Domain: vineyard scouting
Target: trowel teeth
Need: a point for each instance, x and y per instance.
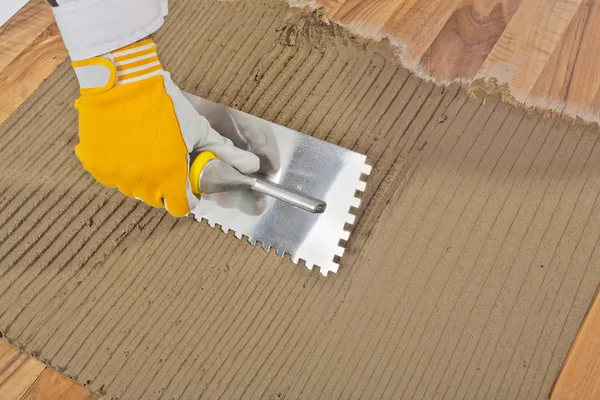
(355, 202)
(238, 235)
(361, 186)
(345, 235)
(350, 219)
(367, 169)
(340, 251)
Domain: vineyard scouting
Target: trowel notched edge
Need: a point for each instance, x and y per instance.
(295, 256)
(305, 164)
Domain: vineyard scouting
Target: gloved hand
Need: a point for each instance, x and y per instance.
(136, 129)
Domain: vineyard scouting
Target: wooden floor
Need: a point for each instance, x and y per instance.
(545, 50)
(580, 377)
(25, 378)
(30, 50)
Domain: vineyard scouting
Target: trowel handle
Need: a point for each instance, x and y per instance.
(210, 175)
(196, 169)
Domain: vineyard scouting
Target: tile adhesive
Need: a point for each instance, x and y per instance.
(469, 271)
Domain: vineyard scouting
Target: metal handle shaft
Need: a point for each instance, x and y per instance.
(297, 200)
(216, 176)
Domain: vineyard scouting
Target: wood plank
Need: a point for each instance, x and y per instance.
(18, 372)
(413, 26)
(25, 378)
(579, 377)
(6, 350)
(53, 386)
(553, 85)
(467, 39)
(26, 72)
(526, 45)
(331, 6)
(22, 29)
(367, 17)
(571, 74)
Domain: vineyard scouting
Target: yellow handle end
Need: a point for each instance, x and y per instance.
(197, 167)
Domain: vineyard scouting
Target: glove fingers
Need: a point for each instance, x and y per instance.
(177, 205)
(180, 201)
(242, 160)
(199, 135)
(150, 197)
(191, 198)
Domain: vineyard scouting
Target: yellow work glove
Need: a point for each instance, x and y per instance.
(136, 129)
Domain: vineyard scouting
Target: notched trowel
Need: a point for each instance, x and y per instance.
(297, 203)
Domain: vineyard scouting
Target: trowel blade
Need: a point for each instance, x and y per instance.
(295, 161)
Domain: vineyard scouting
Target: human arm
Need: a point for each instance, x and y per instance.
(136, 128)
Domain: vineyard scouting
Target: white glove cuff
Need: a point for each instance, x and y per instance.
(93, 27)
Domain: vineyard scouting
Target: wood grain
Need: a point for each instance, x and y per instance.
(368, 17)
(524, 48)
(22, 29)
(54, 386)
(544, 51)
(467, 39)
(29, 69)
(331, 6)
(25, 378)
(414, 25)
(571, 74)
(579, 377)
(18, 372)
